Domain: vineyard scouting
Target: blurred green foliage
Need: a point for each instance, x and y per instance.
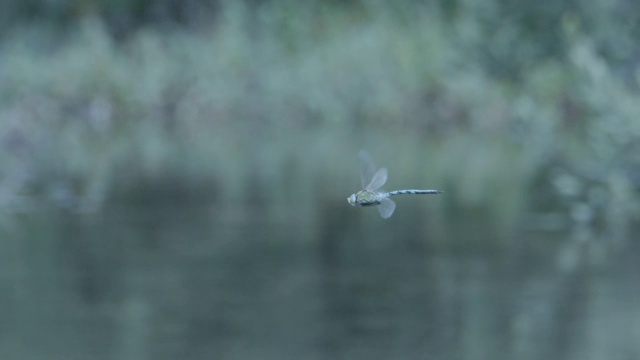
(512, 107)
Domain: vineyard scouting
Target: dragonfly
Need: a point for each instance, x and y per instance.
(371, 195)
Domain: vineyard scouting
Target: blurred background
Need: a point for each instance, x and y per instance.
(174, 176)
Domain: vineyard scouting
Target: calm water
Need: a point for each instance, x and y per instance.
(167, 283)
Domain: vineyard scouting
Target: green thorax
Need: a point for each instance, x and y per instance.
(365, 198)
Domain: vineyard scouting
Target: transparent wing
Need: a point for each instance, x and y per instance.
(379, 178)
(386, 208)
(367, 168)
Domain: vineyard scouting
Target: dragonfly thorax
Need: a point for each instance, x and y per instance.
(366, 198)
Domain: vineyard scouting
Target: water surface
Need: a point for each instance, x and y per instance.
(167, 282)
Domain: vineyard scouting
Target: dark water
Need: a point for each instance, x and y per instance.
(167, 283)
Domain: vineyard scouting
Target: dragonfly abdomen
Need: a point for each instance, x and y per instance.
(402, 192)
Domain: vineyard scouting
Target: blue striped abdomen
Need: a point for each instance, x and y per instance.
(423, 192)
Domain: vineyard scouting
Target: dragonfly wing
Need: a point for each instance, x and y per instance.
(379, 178)
(367, 168)
(386, 208)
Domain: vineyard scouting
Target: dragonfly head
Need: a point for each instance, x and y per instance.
(352, 200)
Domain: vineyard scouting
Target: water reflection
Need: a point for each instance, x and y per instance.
(167, 283)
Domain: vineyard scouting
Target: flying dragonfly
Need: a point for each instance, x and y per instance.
(371, 181)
